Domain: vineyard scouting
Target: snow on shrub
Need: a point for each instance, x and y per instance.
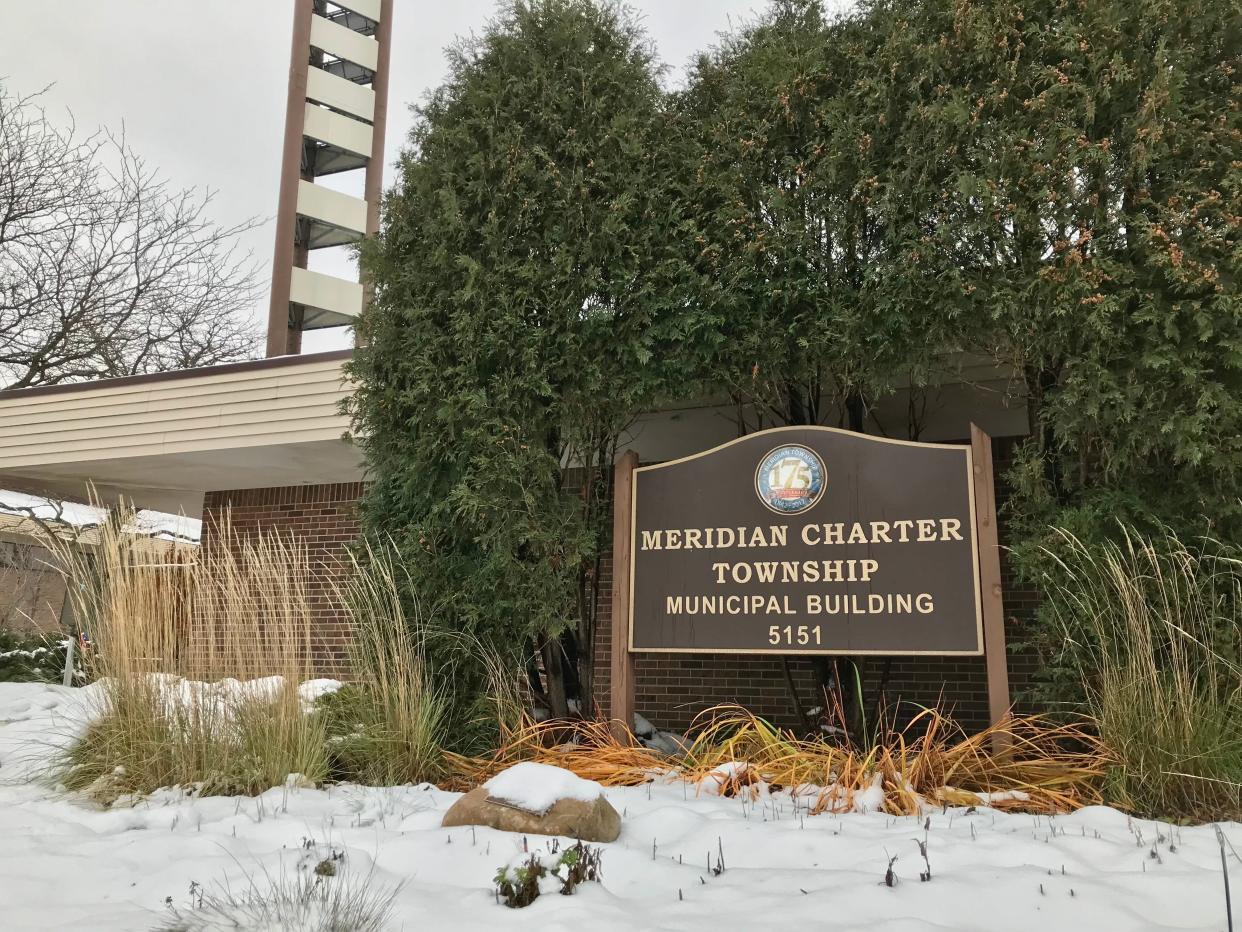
(319, 895)
(520, 882)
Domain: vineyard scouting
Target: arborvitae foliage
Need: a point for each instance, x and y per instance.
(514, 329)
(1089, 158)
(827, 209)
(1090, 155)
(787, 130)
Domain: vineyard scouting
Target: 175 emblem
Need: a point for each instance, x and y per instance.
(790, 479)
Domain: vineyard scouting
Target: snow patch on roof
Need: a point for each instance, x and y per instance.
(156, 524)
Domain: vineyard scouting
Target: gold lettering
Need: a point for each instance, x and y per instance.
(949, 528)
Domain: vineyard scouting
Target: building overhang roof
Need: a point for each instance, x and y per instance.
(163, 440)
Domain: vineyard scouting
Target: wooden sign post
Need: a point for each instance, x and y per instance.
(622, 692)
(994, 649)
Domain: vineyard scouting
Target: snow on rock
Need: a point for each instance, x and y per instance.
(64, 865)
(871, 798)
(537, 787)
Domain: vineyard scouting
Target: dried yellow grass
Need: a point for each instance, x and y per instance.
(1057, 767)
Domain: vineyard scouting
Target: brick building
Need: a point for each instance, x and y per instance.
(265, 442)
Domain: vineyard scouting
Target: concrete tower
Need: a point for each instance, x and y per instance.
(338, 95)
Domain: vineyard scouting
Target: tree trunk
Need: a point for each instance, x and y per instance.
(554, 676)
(848, 670)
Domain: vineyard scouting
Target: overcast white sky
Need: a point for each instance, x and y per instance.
(199, 85)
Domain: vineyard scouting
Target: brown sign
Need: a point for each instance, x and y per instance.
(807, 540)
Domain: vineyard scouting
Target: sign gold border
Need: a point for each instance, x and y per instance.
(974, 546)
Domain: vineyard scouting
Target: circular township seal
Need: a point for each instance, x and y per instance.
(790, 479)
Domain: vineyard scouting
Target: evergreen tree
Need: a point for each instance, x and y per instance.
(515, 324)
(1088, 160)
(787, 134)
(1089, 156)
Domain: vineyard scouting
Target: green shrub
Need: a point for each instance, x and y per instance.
(520, 885)
(381, 738)
(27, 658)
(223, 745)
(395, 723)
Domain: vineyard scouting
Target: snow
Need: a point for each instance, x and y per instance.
(32, 653)
(156, 524)
(729, 774)
(536, 787)
(67, 864)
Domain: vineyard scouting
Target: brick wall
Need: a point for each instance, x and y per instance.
(32, 596)
(324, 517)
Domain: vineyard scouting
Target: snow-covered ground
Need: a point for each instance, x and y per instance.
(65, 864)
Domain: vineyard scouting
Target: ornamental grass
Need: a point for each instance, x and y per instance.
(1152, 627)
(197, 661)
(1046, 767)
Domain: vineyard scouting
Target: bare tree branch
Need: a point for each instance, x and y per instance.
(104, 269)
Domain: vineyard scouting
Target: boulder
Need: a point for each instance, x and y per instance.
(596, 820)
